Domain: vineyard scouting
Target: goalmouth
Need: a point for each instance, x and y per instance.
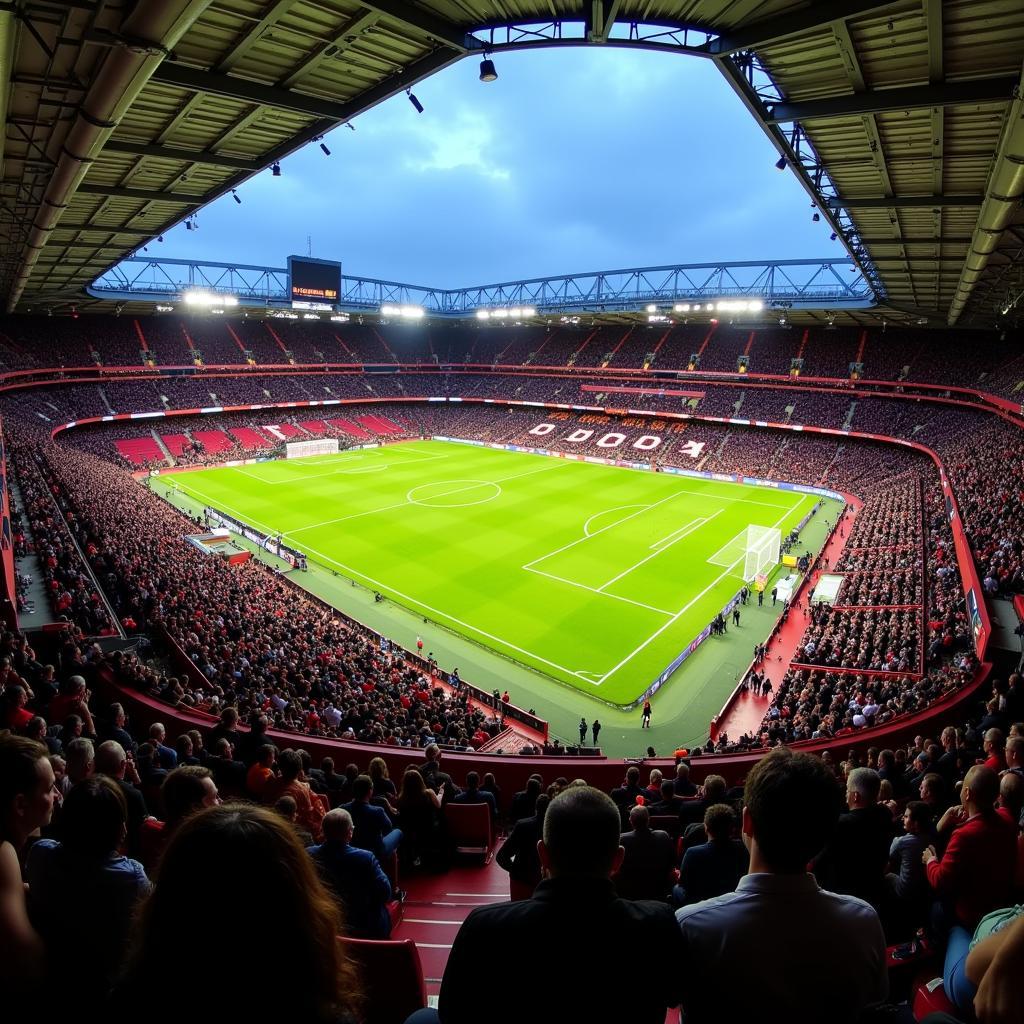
(303, 449)
(757, 547)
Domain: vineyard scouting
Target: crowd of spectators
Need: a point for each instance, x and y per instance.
(877, 640)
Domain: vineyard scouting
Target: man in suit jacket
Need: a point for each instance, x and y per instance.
(646, 871)
(714, 867)
(373, 828)
(473, 794)
(518, 854)
(574, 920)
(355, 877)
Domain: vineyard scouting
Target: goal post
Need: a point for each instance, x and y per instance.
(761, 552)
(303, 449)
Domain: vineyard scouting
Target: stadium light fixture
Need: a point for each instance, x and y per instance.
(275, 169)
(409, 312)
(682, 307)
(482, 314)
(832, 237)
(340, 318)
(237, 198)
(816, 216)
(652, 308)
(780, 164)
(487, 70)
(197, 297)
(323, 146)
(415, 102)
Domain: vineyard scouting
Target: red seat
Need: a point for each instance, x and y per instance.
(469, 826)
(391, 977)
(930, 997)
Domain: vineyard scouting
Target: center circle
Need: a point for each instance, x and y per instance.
(453, 493)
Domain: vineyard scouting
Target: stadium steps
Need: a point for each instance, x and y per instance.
(140, 450)
(106, 402)
(175, 443)
(249, 438)
(380, 424)
(168, 458)
(38, 611)
(848, 422)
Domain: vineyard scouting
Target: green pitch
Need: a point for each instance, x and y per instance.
(594, 575)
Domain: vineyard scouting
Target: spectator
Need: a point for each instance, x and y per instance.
(574, 920)
(382, 784)
(355, 877)
(646, 869)
(419, 810)
(433, 776)
(524, 802)
(83, 892)
(186, 790)
(221, 857)
(228, 774)
(113, 762)
(166, 756)
(753, 942)
(310, 806)
(373, 828)
(288, 809)
(473, 794)
(683, 786)
(715, 867)
(27, 794)
(261, 772)
(518, 854)
(907, 885)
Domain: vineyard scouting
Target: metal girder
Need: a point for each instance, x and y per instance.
(104, 229)
(426, 23)
(253, 35)
(248, 91)
(771, 30)
(600, 17)
(902, 202)
(341, 42)
(117, 192)
(187, 156)
(939, 94)
(938, 240)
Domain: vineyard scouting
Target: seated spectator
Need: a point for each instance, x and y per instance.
(27, 794)
(646, 869)
(355, 877)
(993, 747)
(166, 756)
(113, 762)
(419, 811)
(473, 794)
(575, 920)
(311, 807)
(72, 699)
(373, 828)
(382, 784)
(221, 857)
(518, 854)
(667, 804)
(261, 772)
(753, 944)
(683, 786)
(228, 773)
(186, 790)
(855, 857)
(490, 785)
(14, 714)
(432, 774)
(288, 809)
(712, 792)
(113, 728)
(1015, 755)
(975, 874)
(714, 867)
(524, 802)
(907, 883)
(83, 892)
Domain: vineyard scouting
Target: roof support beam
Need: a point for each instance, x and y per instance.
(771, 30)
(939, 94)
(363, 22)
(139, 193)
(174, 153)
(903, 202)
(425, 23)
(103, 229)
(253, 36)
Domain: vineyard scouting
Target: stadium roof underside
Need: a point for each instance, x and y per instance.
(903, 121)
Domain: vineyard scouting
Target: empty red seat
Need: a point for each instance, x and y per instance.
(469, 827)
(391, 976)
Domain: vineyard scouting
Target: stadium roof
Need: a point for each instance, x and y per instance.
(904, 121)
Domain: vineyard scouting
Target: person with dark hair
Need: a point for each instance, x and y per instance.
(185, 790)
(473, 794)
(574, 920)
(419, 811)
(261, 771)
(310, 806)
(780, 941)
(228, 773)
(373, 828)
(907, 886)
(27, 795)
(646, 869)
(716, 866)
(113, 762)
(248, 859)
(355, 877)
(518, 854)
(82, 892)
(524, 802)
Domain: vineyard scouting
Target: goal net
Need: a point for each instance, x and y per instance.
(761, 552)
(303, 449)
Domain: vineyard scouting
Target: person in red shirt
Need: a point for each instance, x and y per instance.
(994, 745)
(975, 875)
(15, 716)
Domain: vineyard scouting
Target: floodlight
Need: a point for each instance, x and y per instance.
(482, 314)
(388, 311)
(652, 308)
(415, 102)
(487, 72)
(275, 169)
(236, 197)
(780, 164)
(413, 312)
(514, 314)
(756, 305)
(323, 146)
(682, 307)
(816, 217)
(529, 311)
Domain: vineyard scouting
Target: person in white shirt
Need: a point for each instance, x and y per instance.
(779, 947)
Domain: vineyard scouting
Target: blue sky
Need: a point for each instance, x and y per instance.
(575, 160)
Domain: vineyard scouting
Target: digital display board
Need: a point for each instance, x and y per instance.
(314, 284)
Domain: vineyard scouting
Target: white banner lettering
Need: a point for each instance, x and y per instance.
(647, 443)
(691, 448)
(579, 435)
(612, 440)
(543, 428)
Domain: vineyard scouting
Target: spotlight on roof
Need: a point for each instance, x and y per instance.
(832, 237)
(780, 164)
(816, 217)
(487, 71)
(323, 146)
(237, 198)
(275, 169)
(159, 238)
(415, 102)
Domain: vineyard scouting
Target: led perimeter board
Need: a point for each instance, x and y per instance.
(314, 284)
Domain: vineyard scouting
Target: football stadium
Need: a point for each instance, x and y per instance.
(445, 633)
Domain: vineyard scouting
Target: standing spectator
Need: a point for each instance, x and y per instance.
(595, 730)
(753, 943)
(645, 715)
(583, 731)
(113, 762)
(355, 877)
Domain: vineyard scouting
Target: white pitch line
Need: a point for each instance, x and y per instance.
(616, 508)
(670, 538)
(407, 502)
(594, 590)
(679, 535)
(691, 603)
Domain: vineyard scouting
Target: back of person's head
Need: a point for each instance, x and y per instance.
(378, 769)
(432, 752)
(290, 764)
(682, 770)
(157, 732)
(1011, 794)
(981, 787)
(81, 757)
(184, 791)
(265, 755)
(337, 825)
(93, 819)
(21, 777)
(362, 787)
(541, 807)
(793, 803)
(327, 766)
(719, 821)
(632, 775)
(1014, 750)
(581, 833)
(668, 790)
(715, 789)
(472, 780)
(229, 718)
(286, 807)
(533, 785)
(248, 860)
(640, 818)
(110, 758)
(865, 782)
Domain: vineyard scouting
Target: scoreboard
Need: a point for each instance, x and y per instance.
(314, 284)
